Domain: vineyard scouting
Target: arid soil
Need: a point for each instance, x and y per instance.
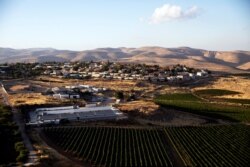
(233, 83)
(31, 98)
(145, 107)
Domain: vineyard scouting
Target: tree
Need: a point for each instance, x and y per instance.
(119, 95)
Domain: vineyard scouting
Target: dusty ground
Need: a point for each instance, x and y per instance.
(15, 88)
(29, 91)
(150, 113)
(31, 98)
(234, 83)
(117, 85)
(49, 82)
(171, 117)
(145, 107)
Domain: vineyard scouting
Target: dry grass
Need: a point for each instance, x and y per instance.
(146, 107)
(19, 87)
(117, 85)
(238, 84)
(31, 98)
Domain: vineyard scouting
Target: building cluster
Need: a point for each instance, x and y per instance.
(106, 70)
(86, 92)
(123, 71)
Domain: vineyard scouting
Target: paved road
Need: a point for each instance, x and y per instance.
(17, 118)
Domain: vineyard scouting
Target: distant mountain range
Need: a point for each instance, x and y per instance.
(228, 61)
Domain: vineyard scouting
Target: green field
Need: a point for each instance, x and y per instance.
(191, 146)
(231, 100)
(190, 103)
(215, 92)
(112, 146)
(179, 97)
(212, 146)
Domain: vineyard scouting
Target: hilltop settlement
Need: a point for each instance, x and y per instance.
(105, 70)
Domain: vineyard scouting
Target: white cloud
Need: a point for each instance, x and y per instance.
(169, 12)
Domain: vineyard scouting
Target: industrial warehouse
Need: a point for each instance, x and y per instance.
(55, 115)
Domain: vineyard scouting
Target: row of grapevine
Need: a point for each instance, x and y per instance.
(190, 103)
(112, 146)
(227, 145)
(212, 146)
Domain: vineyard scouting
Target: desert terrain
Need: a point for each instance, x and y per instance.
(223, 61)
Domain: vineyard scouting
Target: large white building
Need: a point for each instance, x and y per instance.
(54, 115)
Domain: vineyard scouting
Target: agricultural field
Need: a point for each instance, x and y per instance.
(191, 103)
(215, 146)
(180, 97)
(215, 95)
(215, 92)
(239, 84)
(108, 146)
(112, 146)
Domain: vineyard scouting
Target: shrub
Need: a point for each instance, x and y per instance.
(23, 152)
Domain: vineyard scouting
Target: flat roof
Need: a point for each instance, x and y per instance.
(54, 108)
(78, 110)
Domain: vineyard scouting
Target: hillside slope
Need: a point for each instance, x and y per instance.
(234, 61)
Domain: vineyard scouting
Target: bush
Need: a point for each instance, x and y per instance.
(22, 156)
(119, 95)
(19, 146)
(23, 152)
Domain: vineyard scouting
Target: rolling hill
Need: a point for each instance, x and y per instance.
(227, 61)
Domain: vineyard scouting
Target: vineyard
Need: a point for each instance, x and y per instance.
(212, 146)
(112, 146)
(213, 94)
(190, 103)
(227, 145)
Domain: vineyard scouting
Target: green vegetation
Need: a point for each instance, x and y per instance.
(227, 145)
(190, 103)
(212, 93)
(229, 100)
(215, 145)
(23, 70)
(119, 95)
(215, 92)
(22, 150)
(10, 145)
(179, 97)
(112, 146)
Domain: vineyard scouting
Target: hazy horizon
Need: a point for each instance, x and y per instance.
(84, 25)
(122, 47)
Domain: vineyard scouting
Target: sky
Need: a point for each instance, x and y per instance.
(89, 24)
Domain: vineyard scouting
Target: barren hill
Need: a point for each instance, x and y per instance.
(234, 61)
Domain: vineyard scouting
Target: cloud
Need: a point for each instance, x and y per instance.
(169, 12)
